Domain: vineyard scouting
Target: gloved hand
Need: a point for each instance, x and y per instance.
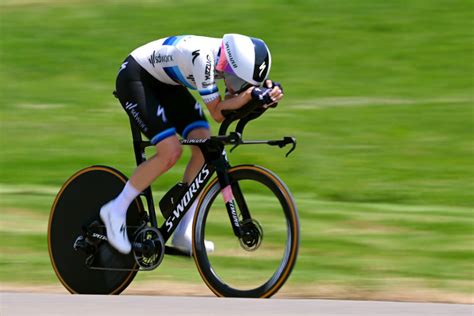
(272, 84)
(262, 95)
(276, 94)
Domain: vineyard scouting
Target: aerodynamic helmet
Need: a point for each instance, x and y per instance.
(243, 60)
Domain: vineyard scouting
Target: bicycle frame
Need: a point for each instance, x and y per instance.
(74, 219)
(215, 161)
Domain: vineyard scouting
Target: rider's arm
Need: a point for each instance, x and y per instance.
(203, 71)
(265, 96)
(229, 103)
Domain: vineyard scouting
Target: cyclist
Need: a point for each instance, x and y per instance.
(152, 86)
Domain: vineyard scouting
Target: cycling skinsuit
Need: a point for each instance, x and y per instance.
(152, 84)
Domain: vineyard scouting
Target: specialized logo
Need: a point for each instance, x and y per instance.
(187, 198)
(262, 68)
(156, 59)
(99, 236)
(235, 218)
(123, 230)
(129, 106)
(195, 54)
(229, 54)
(195, 141)
(161, 112)
(123, 66)
(198, 108)
(207, 72)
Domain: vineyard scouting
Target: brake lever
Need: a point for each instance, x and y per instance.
(280, 143)
(234, 147)
(285, 141)
(293, 147)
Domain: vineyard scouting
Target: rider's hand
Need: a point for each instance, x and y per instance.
(272, 84)
(277, 92)
(262, 95)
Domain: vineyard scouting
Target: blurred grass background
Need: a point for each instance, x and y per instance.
(378, 93)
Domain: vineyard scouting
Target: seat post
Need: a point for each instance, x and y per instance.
(138, 144)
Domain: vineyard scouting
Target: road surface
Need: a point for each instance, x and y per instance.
(64, 304)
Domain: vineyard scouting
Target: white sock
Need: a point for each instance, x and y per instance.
(184, 230)
(124, 199)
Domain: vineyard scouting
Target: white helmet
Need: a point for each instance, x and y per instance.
(245, 58)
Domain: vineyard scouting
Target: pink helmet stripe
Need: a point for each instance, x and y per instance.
(223, 64)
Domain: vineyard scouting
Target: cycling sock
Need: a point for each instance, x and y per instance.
(184, 230)
(183, 235)
(125, 198)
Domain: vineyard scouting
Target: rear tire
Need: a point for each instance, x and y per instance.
(258, 264)
(76, 206)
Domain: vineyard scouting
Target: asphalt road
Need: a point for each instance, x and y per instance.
(57, 304)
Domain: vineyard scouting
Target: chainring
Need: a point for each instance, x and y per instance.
(149, 248)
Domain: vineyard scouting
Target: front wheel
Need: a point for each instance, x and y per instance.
(257, 263)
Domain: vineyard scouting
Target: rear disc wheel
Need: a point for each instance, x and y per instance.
(75, 210)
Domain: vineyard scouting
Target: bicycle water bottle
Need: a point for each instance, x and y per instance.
(172, 197)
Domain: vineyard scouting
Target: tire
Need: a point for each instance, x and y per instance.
(76, 206)
(234, 269)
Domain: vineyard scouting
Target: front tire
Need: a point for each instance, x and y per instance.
(258, 264)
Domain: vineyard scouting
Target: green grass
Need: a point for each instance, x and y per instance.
(378, 93)
(363, 246)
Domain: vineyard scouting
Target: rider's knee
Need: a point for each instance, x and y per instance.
(199, 133)
(173, 156)
(168, 153)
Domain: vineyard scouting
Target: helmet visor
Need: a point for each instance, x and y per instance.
(232, 82)
(235, 84)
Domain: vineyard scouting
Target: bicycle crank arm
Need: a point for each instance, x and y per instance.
(77, 244)
(115, 269)
(83, 245)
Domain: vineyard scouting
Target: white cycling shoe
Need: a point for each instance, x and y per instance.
(116, 228)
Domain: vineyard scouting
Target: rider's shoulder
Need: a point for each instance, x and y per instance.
(198, 41)
(187, 41)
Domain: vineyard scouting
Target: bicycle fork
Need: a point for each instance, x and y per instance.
(246, 229)
(231, 194)
(230, 206)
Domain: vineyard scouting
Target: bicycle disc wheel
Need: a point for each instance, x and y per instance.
(256, 266)
(76, 206)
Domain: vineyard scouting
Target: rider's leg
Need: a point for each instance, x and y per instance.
(182, 238)
(153, 106)
(168, 151)
(197, 160)
(113, 214)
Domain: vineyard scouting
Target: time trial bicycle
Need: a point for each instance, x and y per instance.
(246, 210)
